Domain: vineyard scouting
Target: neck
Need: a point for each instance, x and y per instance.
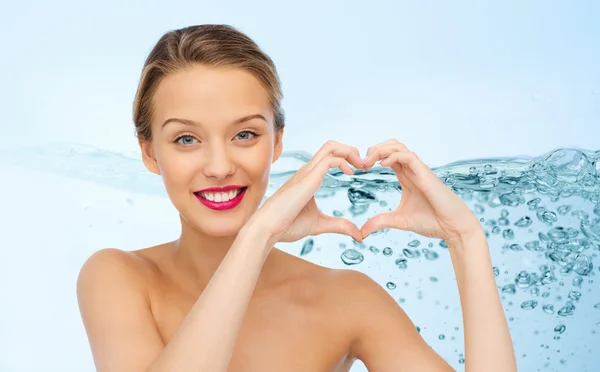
(198, 255)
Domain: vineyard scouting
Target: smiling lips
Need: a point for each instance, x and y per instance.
(221, 198)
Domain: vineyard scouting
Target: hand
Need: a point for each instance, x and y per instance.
(291, 213)
(427, 207)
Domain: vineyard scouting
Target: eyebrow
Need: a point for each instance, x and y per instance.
(195, 123)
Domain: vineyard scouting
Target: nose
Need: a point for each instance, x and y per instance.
(217, 163)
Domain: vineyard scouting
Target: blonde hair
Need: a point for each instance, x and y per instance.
(209, 45)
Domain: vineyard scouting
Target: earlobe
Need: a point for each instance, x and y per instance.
(148, 156)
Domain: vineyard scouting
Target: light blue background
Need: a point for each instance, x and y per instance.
(452, 80)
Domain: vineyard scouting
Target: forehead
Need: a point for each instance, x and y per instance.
(209, 94)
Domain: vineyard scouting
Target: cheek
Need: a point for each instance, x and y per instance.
(176, 170)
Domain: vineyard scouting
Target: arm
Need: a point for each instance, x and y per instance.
(488, 345)
(387, 340)
(122, 332)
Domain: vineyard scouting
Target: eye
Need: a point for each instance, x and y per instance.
(246, 135)
(188, 140)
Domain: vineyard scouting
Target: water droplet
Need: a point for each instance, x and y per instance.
(430, 255)
(402, 263)
(509, 288)
(442, 337)
(374, 249)
(567, 310)
(307, 247)
(563, 209)
(352, 257)
(387, 251)
(496, 271)
(574, 295)
(391, 285)
(524, 221)
(358, 196)
(548, 309)
(414, 243)
(529, 305)
(511, 199)
(337, 213)
(408, 253)
(560, 329)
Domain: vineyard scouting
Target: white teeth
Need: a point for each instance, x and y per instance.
(220, 197)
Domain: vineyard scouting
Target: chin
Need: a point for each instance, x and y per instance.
(221, 228)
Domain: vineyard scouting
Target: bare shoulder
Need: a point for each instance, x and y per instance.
(115, 310)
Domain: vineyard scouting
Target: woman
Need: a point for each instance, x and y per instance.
(221, 297)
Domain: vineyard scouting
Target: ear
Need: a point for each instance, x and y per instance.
(148, 156)
(278, 144)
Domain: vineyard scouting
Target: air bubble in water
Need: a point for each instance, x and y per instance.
(352, 257)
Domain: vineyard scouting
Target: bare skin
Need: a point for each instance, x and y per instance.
(293, 323)
(222, 298)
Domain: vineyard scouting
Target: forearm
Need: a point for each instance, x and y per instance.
(488, 345)
(206, 338)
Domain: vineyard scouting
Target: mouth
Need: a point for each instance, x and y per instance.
(222, 196)
(223, 200)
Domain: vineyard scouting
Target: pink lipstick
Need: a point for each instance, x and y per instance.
(221, 205)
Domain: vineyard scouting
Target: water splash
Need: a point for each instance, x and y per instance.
(541, 216)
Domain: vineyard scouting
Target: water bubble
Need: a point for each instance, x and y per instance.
(414, 243)
(529, 305)
(548, 309)
(496, 271)
(430, 255)
(503, 221)
(374, 249)
(567, 164)
(534, 202)
(508, 234)
(545, 215)
(524, 221)
(357, 196)
(402, 263)
(511, 199)
(337, 213)
(597, 306)
(391, 285)
(408, 253)
(433, 279)
(524, 279)
(387, 251)
(577, 281)
(568, 309)
(574, 295)
(560, 329)
(307, 247)
(443, 244)
(563, 209)
(442, 337)
(509, 288)
(352, 257)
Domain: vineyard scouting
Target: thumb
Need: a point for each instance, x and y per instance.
(380, 222)
(328, 224)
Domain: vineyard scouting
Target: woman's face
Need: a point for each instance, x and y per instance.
(199, 142)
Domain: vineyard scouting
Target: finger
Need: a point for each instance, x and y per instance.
(382, 221)
(332, 148)
(382, 151)
(328, 224)
(422, 178)
(302, 187)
